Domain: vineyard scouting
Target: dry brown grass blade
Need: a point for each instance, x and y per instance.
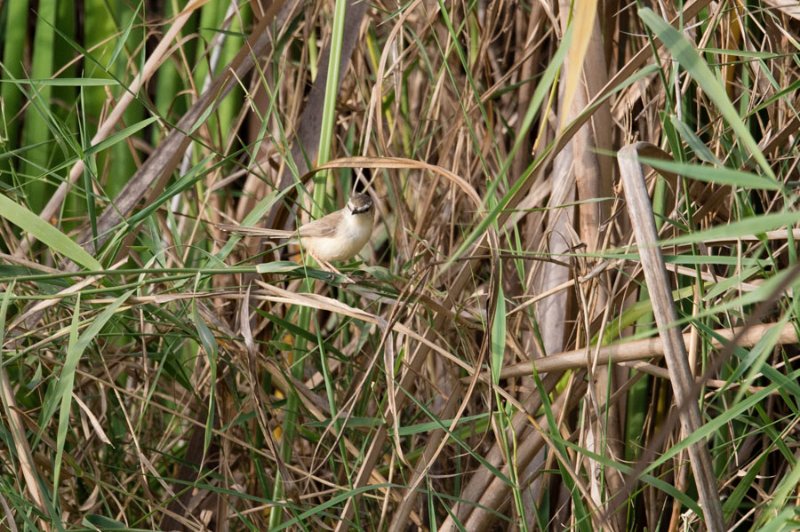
(561, 237)
(27, 263)
(9, 516)
(410, 164)
(585, 29)
(787, 7)
(20, 440)
(640, 212)
(636, 350)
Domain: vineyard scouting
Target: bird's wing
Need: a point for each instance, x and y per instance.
(256, 231)
(324, 227)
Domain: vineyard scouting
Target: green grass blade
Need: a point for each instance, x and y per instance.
(46, 233)
(211, 350)
(63, 82)
(755, 225)
(120, 135)
(498, 335)
(713, 174)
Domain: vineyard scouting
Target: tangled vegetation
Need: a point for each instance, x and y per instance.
(575, 312)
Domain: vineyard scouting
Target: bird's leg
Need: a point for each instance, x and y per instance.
(328, 266)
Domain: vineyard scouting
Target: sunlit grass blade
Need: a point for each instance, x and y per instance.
(46, 233)
(754, 225)
(714, 174)
(120, 136)
(498, 335)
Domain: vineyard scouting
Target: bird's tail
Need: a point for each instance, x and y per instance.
(257, 231)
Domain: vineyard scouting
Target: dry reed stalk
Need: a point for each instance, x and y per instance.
(640, 211)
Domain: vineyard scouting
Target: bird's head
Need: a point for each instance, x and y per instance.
(360, 204)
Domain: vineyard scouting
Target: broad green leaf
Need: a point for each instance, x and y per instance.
(46, 233)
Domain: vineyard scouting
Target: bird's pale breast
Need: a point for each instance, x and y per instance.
(351, 235)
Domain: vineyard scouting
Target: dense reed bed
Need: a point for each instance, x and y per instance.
(575, 312)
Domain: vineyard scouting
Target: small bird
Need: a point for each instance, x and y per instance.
(339, 235)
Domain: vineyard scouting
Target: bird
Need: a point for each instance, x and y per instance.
(337, 236)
